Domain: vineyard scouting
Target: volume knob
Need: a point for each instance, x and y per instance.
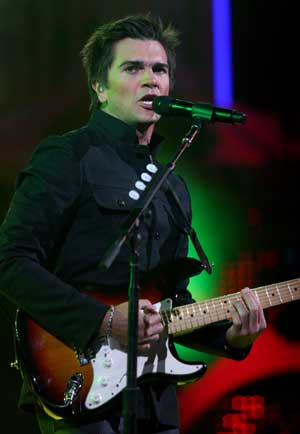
(107, 362)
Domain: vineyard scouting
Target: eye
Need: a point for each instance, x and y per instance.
(132, 69)
(161, 69)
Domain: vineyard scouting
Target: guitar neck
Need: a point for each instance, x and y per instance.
(184, 319)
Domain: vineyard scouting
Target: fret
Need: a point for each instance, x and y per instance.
(203, 313)
(268, 295)
(295, 289)
(285, 295)
(279, 294)
(215, 310)
(186, 318)
(164, 318)
(206, 313)
(225, 305)
(183, 320)
(190, 320)
(190, 316)
(194, 315)
(275, 295)
(290, 291)
(214, 314)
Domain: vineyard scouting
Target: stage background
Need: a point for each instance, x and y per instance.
(244, 180)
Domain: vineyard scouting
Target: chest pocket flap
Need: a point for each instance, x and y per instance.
(110, 179)
(113, 198)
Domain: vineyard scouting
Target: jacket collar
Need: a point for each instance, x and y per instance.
(119, 133)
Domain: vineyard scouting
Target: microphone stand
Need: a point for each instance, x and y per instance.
(130, 231)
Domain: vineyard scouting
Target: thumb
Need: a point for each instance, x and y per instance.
(147, 305)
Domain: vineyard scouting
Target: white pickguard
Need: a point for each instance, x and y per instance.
(110, 367)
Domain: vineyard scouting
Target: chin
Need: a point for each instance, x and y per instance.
(150, 118)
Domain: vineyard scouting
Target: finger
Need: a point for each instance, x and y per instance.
(143, 350)
(149, 339)
(249, 298)
(155, 329)
(142, 327)
(141, 316)
(253, 317)
(151, 326)
(148, 327)
(261, 320)
(152, 319)
(261, 316)
(236, 319)
(242, 312)
(147, 306)
(256, 315)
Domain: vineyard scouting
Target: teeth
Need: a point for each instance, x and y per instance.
(147, 104)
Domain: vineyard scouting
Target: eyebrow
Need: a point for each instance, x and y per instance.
(141, 63)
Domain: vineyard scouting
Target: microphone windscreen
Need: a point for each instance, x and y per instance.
(161, 104)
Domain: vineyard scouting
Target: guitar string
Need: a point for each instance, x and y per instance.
(259, 291)
(210, 310)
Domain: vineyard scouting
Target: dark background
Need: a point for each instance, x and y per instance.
(43, 91)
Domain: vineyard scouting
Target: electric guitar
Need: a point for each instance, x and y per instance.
(71, 384)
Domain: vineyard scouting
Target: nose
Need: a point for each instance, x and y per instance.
(149, 78)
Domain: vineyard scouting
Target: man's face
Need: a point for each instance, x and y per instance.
(138, 74)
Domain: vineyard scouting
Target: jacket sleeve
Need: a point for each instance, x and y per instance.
(211, 339)
(47, 193)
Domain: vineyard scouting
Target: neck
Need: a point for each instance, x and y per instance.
(144, 135)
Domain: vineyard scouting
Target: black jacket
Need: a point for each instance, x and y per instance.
(69, 205)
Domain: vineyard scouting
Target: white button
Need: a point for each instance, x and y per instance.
(134, 195)
(146, 177)
(151, 168)
(140, 185)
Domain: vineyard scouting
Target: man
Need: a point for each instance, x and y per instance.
(69, 205)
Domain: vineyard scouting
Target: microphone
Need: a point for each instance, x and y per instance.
(165, 105)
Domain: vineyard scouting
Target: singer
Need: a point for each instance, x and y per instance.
(70, 201)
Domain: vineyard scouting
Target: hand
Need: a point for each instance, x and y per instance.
(149, 325)
(248, 320)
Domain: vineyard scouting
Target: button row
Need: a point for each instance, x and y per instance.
(140, 185)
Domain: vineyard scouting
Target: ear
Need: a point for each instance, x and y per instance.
(100, 91)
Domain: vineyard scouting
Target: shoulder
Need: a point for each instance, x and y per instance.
(73, 144)
(62, 152)
(57, 158)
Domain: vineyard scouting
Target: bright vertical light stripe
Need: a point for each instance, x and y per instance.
(222, 52)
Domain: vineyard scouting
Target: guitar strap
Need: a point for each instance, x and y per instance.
(190, 231)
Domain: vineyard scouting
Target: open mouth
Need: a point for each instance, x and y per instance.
(146, 101)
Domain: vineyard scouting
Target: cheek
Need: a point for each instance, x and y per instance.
(166, 86)
(124, 93)
(117, 88)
